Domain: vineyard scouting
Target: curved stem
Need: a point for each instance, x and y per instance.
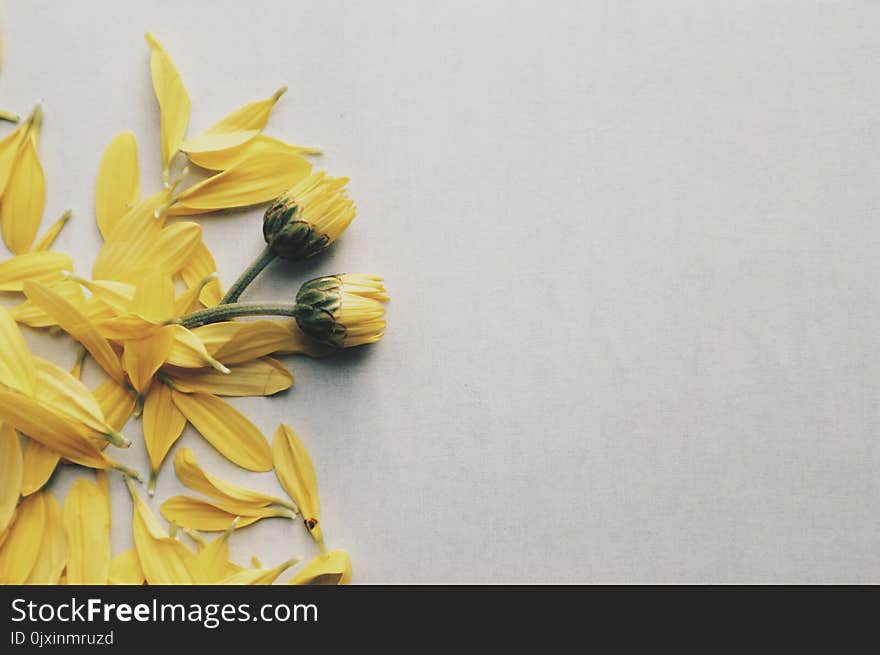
(225, 312)
(248, 276)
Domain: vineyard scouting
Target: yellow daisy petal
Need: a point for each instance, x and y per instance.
(17, 369)
(38, 465)
(87, 524)
(30, 314)
(296, 472)
(234, 342)
(188, 351)
(212, 562)
(154, 297)
(125, 569)
(191, 474)
(214, 516)
(116, 402)
(48, 239)
(21, 546)
(163, 425)
(9, 147)
(52, 557)
(118, 187)
(10, 481)
(227, 429)
(249, 182)
(258, 576)
(260, 377)
(330, 568)
(141, 358)
(261, 145)
(23, 200)
(237, 128)
(174, 103)
(199, 266)
(77, 325)
(118, 295)
(45, 267)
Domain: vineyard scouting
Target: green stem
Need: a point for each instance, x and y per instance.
(248, 276)
(226, 312)
(9, 117)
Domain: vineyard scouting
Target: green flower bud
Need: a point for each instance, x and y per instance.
(342, 310)
(309, 217)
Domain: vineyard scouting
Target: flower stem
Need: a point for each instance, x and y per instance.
(248, 276)
(225, 312)
(9, 117)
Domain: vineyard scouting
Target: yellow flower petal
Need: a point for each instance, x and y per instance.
(87, 524)
(77, 325)
(141, 358)
(21, 546)
(118, 185)
(163, 425)
(191, 474)
(214, 516)
(188, 301)
(116, 402)
(38, 466)
(188, 351)
(131, 234)
(45, 267)
(9, 147)
(154, 297)
(127, 327)
(199, 266)
(23, 200)
(164, 561)
(237, 128)
(118, 295)
(125, 569)
(330, 568)
(169, 252)
(71, 399)
(233, 342)
(10, 480)
(258, 576)
(227, 429)
(261, 145)
(249, 182)
(212, 562)
(48, 239)
(30, 314)
(17, 369)
(296, 472)
(52, 556)
(174, 103)
(53, 431)
(260, 377)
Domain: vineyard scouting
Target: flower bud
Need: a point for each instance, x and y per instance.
(342, 310)
(309, 217)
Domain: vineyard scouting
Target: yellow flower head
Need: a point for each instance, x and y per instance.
(342, 310)
(309, 217)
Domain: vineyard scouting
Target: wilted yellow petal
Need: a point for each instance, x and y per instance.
(234, 342)
(53, 431)
(214, 516)
(174, 103)
(330, 568)
(143, 357)
(125, 569)
(45, 267)
(187, 351)
(116, 402)
(118, 185)
(259, 146)
(21, 547)
(23, 200)
(53, 547)
(260, 377)
(199, 266)
(233, 130)
(258, 576)
(212, 562)
(227, 429)
(163, 425)
(191, 474)
(164, 561)
(48, 239)
(130, 235)
(38, 466)
(296, 472)
(71, 399)
(249, 182)
(10, 478)
(87, 524)
(77, 325)
(30, 314)
(17, 369)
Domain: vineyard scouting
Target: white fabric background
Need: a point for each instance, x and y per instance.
(632, 249)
